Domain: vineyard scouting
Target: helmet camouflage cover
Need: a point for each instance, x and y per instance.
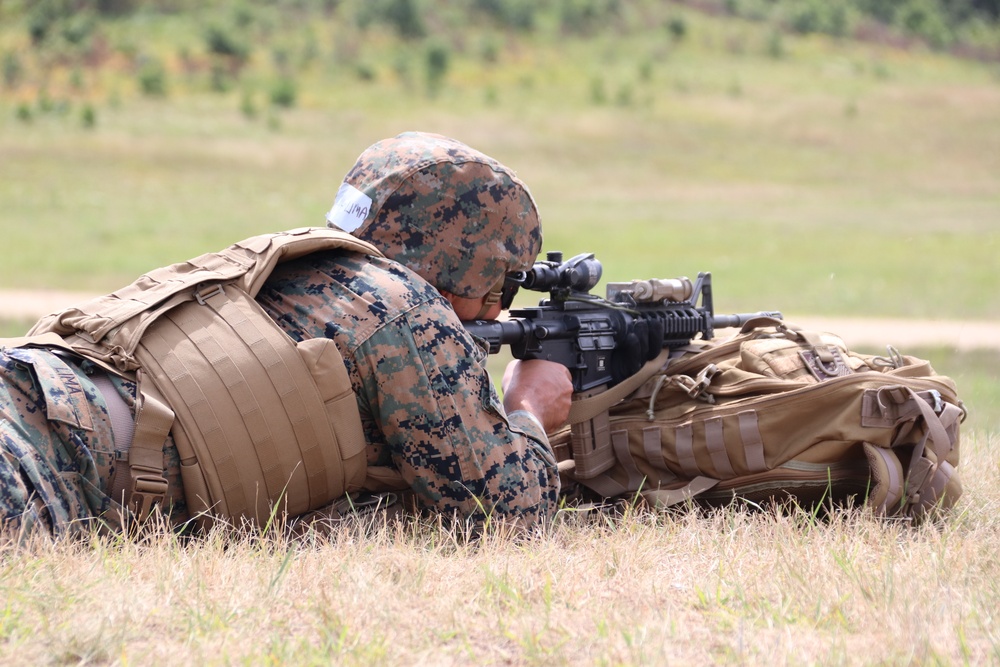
(457, 217)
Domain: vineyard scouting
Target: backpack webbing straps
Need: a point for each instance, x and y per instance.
(716, 444)
(296, 394)
(588, 408)
(147, 486)
(660, 498)
(922, 484)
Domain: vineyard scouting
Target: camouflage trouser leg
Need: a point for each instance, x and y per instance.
(50, 418)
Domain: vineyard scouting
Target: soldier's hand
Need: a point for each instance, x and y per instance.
(543, 388)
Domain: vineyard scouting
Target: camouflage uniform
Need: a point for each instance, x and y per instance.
(57, 455)
(428, 406)
(461, 221)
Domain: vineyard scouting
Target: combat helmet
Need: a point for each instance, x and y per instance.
(458, 218)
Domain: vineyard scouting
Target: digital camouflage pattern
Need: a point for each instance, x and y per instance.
(57, 446)
(457, 217)
(428, 406)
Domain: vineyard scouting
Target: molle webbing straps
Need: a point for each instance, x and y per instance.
(775, 414)
(248, 408)
(262, 423)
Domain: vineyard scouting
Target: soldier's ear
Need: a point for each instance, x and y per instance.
(449, 297)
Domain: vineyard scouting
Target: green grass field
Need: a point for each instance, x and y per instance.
(839, 179)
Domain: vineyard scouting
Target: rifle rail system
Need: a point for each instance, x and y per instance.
(603, 340)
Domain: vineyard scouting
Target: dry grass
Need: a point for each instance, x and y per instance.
(729, 587)
(877, 168)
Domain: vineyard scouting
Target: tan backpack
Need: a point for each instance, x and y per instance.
(259, 421)
(774, 413)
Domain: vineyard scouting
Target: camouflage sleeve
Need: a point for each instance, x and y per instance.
(425, 384)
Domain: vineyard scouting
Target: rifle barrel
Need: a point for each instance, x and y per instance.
(739, 319)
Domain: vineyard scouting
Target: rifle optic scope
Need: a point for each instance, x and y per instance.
(577, 274)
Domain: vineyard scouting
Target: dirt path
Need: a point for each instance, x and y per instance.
(963, 335)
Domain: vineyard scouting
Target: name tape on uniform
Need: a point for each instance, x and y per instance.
(350, 208)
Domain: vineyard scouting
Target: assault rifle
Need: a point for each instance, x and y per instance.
(603, 340)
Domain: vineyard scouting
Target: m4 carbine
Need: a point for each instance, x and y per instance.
(603, 340)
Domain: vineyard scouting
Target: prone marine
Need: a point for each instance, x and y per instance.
(295, 370)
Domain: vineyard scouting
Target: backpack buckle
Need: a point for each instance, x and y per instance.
(204, 295)
(938, 405)
(147, 491)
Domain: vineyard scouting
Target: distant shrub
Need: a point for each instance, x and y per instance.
(153, 78)
(404, 16)
(677, 28)
(809, 16)
(116, 7)
(520, 14)
(578, 17)
(88, 117)
(364, 71)
(284, 92)
(227, 41)
(243, 14)
(516, 14)
(43, 17)
(882, 10)
(78, 28)
(23, 112)
(491, 7)
(925, 19)
(830, 17)
(437, 58)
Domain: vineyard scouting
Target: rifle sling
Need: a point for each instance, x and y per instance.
(588, 408)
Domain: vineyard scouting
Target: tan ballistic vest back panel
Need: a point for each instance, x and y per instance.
(261, 422)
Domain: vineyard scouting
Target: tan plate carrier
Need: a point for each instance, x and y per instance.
(260, 423)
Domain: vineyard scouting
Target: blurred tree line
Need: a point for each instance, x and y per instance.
(941, 22)
(218, 41)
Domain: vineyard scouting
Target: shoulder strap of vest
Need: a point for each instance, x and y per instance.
(269, 250)
(108, 328)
